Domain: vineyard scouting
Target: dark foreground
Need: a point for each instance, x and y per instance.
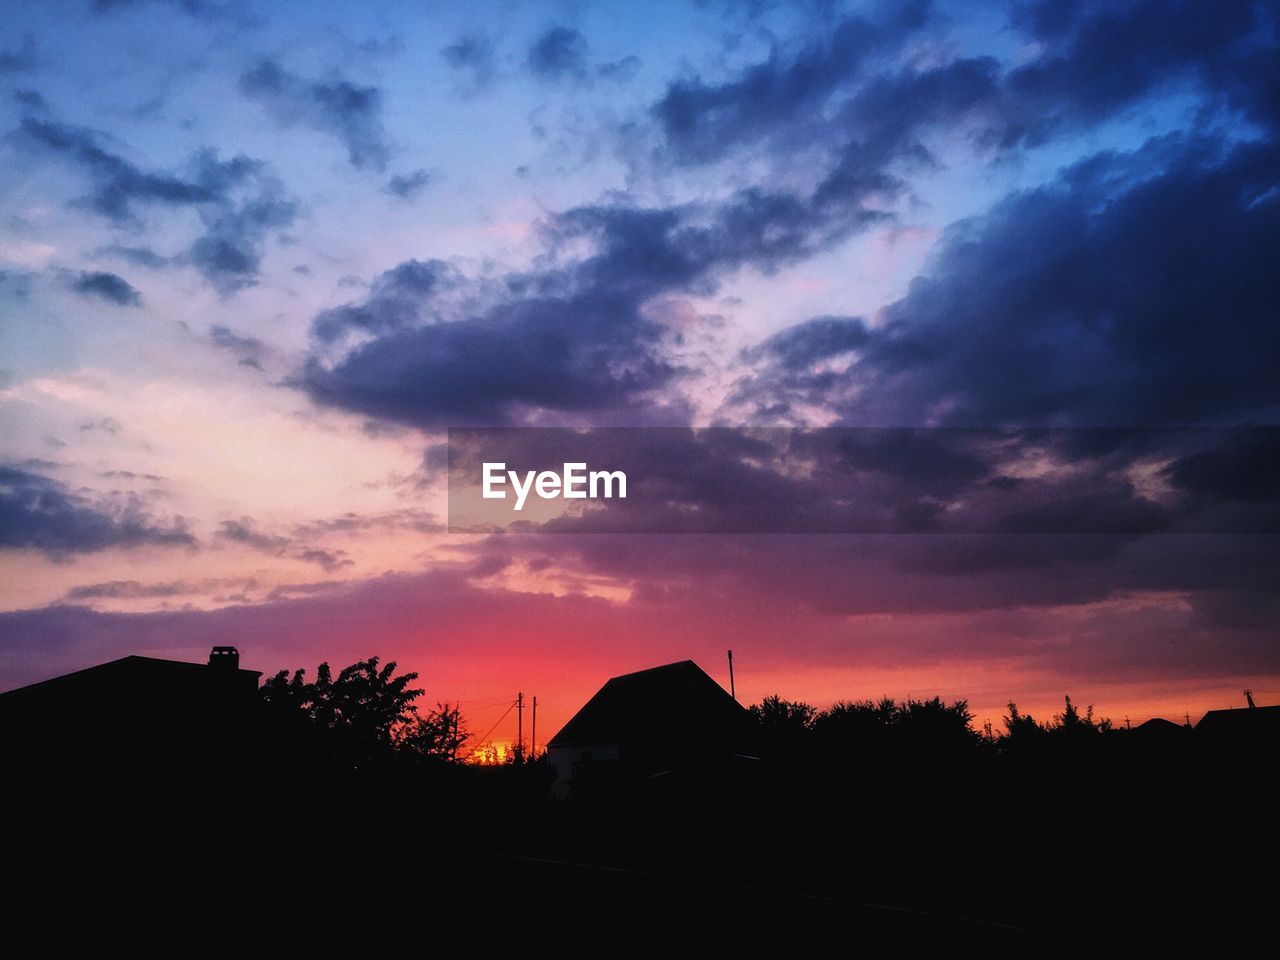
(922, 862)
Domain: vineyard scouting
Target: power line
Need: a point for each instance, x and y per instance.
(481, 742)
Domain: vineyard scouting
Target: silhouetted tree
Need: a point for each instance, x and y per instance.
(1070, 723)
(784, 725)
(861, 725)
(933, 727)
(351, 718)
(1022, 731)
(438, 735)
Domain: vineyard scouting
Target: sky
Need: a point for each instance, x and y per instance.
(256, 259)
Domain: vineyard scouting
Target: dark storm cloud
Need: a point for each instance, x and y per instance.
(1135, 290)
(107, 286)
(409, 185)
(337, 107)
(238, 201)
(39, 513)
(559, 54)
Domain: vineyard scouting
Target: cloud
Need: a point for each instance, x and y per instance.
(245, 533)
(130, 590)
(397, 298)
(249, 351)
(39, 513)
(559, 54)
(1097, 58)
(702, 121)
(119, 184)
(338, 107)
(569, 340)
(620, 71)
(409, 185)
(472, 57)
(242, 531)
(845, 92)
(238, 201)
(107, 286)
(19, 60)
(138, 256)
(1130, 291)
(330, 560)
(31, 99)
(105, 424)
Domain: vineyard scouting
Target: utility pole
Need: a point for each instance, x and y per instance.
(519, 727)
(732, 691)
(533, 737)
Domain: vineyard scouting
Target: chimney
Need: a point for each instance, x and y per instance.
(1248, 695)
(224, 658)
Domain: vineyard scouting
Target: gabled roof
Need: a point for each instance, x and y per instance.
(674, 701)
(1247, 721)
(145, 666)
(129, 683)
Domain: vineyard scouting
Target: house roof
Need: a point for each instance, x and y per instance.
(676, 700)
(1159, 726)
(1247, 721)
(128, 671)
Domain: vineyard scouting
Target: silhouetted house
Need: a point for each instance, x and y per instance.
(140, 714)
(1160, 730)
(1246, 729)
(672, 721)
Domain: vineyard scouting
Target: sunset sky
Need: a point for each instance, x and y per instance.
(257, 258)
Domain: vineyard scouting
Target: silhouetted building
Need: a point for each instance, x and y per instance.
(138, 713)
(1251, 727)
(671, 721)
(1160, 730)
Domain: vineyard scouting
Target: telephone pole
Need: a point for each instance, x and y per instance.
(533, 737)
(732, 690)
(519, 727)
